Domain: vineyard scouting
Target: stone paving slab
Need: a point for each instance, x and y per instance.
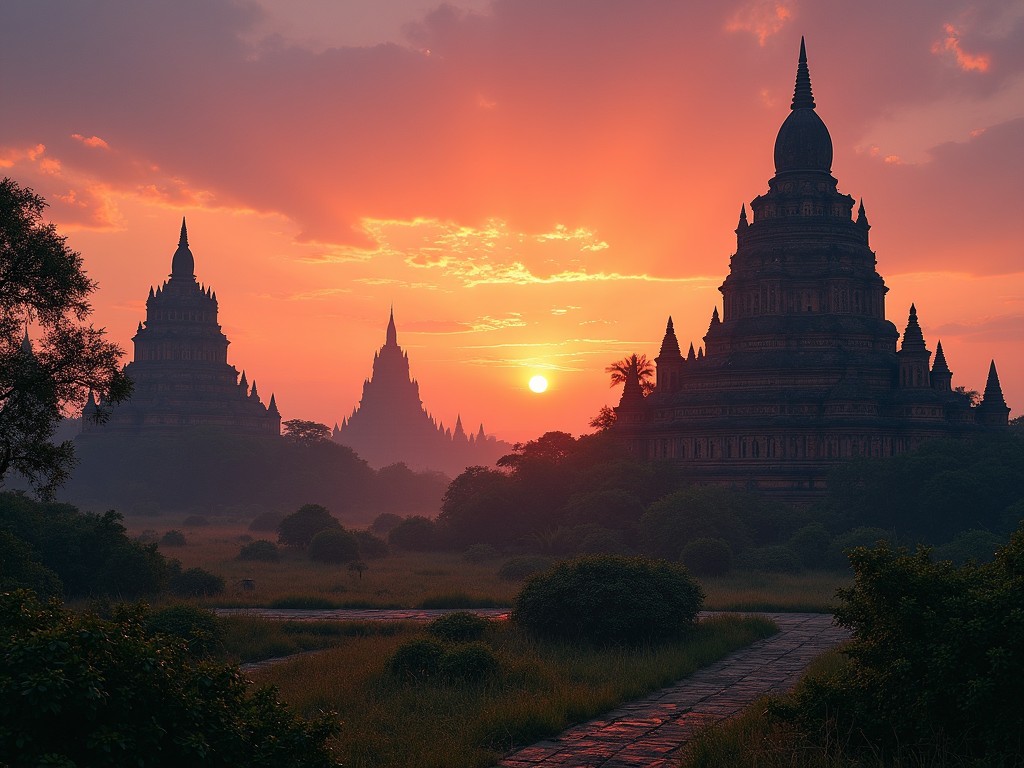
(650, 732)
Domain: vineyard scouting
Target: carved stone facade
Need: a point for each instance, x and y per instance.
(180, 370)
(801, 370)
(390, 424)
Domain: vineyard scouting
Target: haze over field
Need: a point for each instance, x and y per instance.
(535, 184)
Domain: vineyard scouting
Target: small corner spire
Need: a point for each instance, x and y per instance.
(802, 96)
(743, 217)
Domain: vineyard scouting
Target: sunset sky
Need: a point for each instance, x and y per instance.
(535, 185)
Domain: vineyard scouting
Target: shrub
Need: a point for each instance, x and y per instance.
(172, 539)
(148, 536)
(195, 582)
(93, 692)
(260, 550)
(458, 627)
(479, 553)
(519, 568)
(334, 545)
(266, 521)
(979, 546)
(384, 523)
(414, 534)
(856, 537)
(371, 547)
(468, 662)
(937, 654)
(201, 630)
(195, 521)
(777, 558)
(609, 599)
(299, 528)
(707, 557)
(811, 545)
(416, 659)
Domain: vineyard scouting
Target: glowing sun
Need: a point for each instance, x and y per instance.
(538, 384)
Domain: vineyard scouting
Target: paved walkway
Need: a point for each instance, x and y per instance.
(650, 732)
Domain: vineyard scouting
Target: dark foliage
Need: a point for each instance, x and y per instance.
(194, 582)
(227, 473)
(608, 599)
(260, 550)
(520, 568)
(468, 662)
(79, 690)
(43, 285)
(777, 558)
(479, 553)
(937, 655)
(811, 545)
(458, 627)
(299, 528)
(385, 522)
(416, 659)
(334, 545)
(20, 568)
(415, 534)
(396, 488)
(199, 629)
(937, 491)
(979, 546)
(371, 547)
(707, 557)
(173, 539)
(90, 555)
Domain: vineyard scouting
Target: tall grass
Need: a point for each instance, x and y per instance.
(542, 688)
(249, 638)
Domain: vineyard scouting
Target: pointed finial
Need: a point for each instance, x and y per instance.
(862, 217)
(802, 96)
(392, 333)
(691, 355)
(26, 343)
(913, 311)
(743, 217)
(183, 240)
(272, 408)
(714, 316)
(993, 397)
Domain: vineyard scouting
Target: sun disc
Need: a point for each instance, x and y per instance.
(538, 384)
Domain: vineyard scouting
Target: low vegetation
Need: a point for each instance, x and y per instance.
(458, 710)
(931, 676)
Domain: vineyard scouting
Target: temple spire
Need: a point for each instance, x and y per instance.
(669, 344)
(392, 334)
(802, 96)
(183, 239)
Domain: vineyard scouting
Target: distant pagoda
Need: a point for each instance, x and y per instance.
(390, 424)
(180, 369)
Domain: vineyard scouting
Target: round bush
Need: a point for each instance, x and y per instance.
(707, 557)
(519, 568)
(979, 546)
(334, 545)
(414, 534)
(855, 537)
(260, 550)
(299, 528)
(385, 522)
(371, 547)
(609, 599)
(479, 553)
(172, 539)
(201, 630)
(195, 582)
(469, 662)
(458, 627)
(416, 658)
(811, 545)
(774, 559)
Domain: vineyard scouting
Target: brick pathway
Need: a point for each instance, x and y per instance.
(651, 731)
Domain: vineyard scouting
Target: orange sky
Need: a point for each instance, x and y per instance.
(535, 184)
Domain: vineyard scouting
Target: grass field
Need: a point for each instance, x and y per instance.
(434, 579)
(541, 689)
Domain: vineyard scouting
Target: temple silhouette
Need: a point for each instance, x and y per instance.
(801, 369)
(390, 425)
(180, 370)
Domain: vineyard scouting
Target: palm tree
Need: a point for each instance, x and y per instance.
(620, 369)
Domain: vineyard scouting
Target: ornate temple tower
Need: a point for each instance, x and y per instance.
(801, 370)
(390, 424)
(180, 370)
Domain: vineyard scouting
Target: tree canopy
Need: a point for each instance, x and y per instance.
(44, 294)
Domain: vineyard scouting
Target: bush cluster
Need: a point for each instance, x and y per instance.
(260, 550)
(937, 655)
(428, 658)
(458, 627)
(519, 568)
(606, 599)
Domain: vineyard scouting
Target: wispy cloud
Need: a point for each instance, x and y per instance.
(762, 18)
(950, 45)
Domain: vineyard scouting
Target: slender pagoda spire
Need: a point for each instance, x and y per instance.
(392, 334)
(802, 96)
(669, 345)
